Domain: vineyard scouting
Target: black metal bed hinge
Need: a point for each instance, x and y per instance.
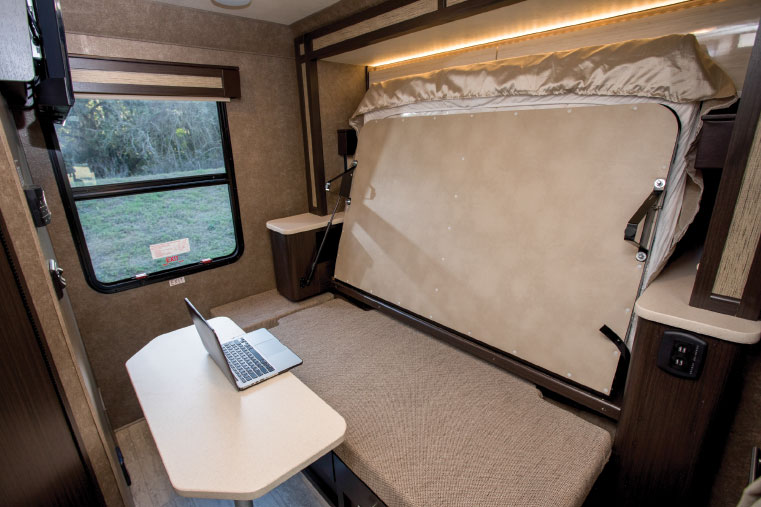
(647, 212)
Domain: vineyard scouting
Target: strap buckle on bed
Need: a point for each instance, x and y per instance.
(647, 212)
(622, 370)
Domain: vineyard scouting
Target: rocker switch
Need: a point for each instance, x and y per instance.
(681, 354)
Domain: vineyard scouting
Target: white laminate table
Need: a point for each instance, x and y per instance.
(215, 441)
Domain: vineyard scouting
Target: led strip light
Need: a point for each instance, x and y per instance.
(534, 31)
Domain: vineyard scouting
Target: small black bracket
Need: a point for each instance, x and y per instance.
(623, 360)
(345, 183)
(38, 205)
(646, 211)
(123, 466)
(56, 274)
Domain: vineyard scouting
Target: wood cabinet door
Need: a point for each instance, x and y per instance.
(40, 461)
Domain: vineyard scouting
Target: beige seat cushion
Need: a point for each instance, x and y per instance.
(430, 425)
(264, 309)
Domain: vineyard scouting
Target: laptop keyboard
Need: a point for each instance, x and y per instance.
(245, 362)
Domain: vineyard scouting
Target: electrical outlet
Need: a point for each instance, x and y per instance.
(681, 354)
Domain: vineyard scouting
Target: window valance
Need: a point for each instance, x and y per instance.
(103, 76)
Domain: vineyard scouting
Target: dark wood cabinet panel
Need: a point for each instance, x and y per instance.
(339, 485)
(738, 165)
(293, 254)
(670, 435)
(321, 474)
(352, 492)
(40, 463)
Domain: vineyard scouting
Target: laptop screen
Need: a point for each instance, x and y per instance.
(210, 341)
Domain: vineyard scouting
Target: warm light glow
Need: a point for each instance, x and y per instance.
(546, 28)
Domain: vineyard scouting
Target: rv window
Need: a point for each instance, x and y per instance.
(150, 188)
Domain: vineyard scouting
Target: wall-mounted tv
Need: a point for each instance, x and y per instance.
(53, 92)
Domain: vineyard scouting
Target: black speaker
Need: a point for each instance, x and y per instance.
(347, 142)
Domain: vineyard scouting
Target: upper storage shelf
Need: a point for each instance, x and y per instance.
(402, 37)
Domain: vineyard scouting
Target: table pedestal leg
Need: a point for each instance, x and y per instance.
(244, 503)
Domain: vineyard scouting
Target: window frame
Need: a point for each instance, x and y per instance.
(70, 196)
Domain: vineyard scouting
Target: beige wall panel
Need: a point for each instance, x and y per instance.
(331, 14)
(341, 90)
(146, 20)
(745, 230)
(508, 226)
(389, 18)
(267, 150)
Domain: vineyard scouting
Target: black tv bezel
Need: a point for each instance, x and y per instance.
(53, 91)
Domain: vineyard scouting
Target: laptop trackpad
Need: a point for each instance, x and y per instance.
(270, 348)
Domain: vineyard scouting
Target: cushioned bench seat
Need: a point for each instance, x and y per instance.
(263, 310)
(430, 425)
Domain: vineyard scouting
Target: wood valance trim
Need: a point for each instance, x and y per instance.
(107, 76)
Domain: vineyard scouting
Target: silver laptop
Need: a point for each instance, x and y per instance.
(247, 359)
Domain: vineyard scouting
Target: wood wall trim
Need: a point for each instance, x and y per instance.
(740, 144)
(750, 304)
(144, 90)
(438, 17)
(319, 200)
(745, 229)
(404, 13)
(77, 61)
(305, 133)
(670, 436)
(145, 78)
(133, 77)
(369, 13)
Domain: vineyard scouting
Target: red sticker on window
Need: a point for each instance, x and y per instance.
(171, 259)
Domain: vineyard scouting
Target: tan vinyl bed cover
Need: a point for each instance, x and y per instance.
(391, 248)
(507, 226)
(673, 70)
